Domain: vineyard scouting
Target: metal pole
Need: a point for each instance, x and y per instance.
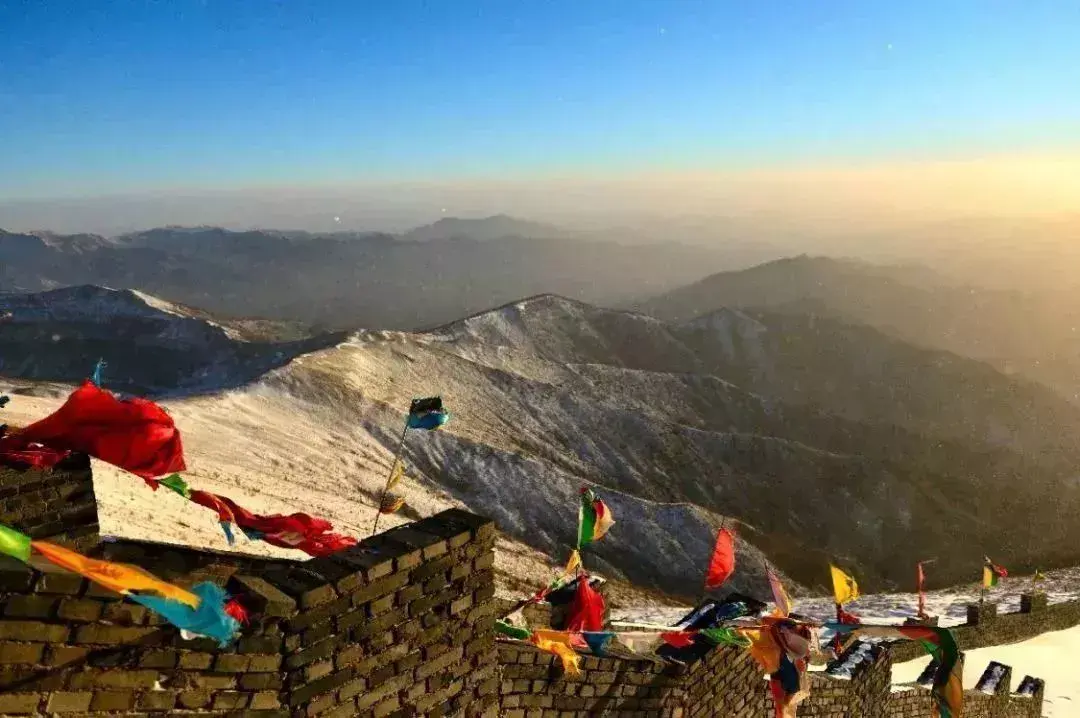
(393, 467)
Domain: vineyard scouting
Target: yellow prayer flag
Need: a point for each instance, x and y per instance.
(395, 476)
(119, 577)
(558, 643)
(844, 587)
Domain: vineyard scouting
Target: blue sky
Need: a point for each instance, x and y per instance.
(104, 96)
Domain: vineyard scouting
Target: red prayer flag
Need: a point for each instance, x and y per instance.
(300, 531)
(134, 434)
(678, 639)
(587, 608)
(722, 564)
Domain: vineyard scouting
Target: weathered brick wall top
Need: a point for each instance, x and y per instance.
(400, 625)
(58, 505)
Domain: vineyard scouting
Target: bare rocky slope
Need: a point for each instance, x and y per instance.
(822, 441)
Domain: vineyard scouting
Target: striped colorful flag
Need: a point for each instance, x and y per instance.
(948, 688)
(14, 543)
(992, 573)
(594, 518)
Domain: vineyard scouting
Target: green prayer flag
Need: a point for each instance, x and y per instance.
(177, 484)
(14, 543)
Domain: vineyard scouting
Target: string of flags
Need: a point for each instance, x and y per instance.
(140, 437)
(205, 610)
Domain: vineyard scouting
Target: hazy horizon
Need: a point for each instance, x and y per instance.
(121, 116)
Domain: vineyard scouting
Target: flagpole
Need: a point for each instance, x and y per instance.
(393, 468)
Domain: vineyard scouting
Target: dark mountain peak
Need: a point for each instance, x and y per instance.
(498, 226)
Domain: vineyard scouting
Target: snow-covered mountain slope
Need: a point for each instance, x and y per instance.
(151, 346)
(549, 394)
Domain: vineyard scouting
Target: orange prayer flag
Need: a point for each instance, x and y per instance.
(119, 577)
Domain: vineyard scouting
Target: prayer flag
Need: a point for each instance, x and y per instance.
(780, 597)
(992, 573)
(119, 577)
(948, 688)
(208, 618)
(587, 608)
(300, 531)
(722, 564)
(427, 414)
(594, 518)
(844, 587)
(391, 504)
(14, 543)
(176, 483)
(558, 643)
(135, 434)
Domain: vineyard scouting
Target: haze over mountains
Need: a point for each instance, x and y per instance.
(825, 438)
(369, 280)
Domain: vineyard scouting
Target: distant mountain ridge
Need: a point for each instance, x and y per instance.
(1037, 335)
(347, 280)
(824, 441)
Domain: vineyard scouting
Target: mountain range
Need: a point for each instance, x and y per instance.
(1031, 333)
(423, 278)
(819, 439)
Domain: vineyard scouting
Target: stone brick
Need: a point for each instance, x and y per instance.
(69, 702)
(159, 658)
(194, 699)
(19, 703)
(265, 700)
(110, 634)
(259, 644)
(30, 606)
(195, 661)
(375, 589)
(363, 565)
(322, 614)
(317, 670)
(80, 609)
(55, 580)
(121, 678)
(112, 701)
(323, 685)
(231, 663)
(213, 681)
(260, 681)
(264, 663)
(263, 598)
(33, 631)
(381, 605)
(124, 613)
(308, 588)
(59, 655)
(157, 700)
(230, 701)
(27, 653)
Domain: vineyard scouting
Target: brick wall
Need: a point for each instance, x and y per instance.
(401, 625)
(724, 682)
(57, 505)
(987, 627)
